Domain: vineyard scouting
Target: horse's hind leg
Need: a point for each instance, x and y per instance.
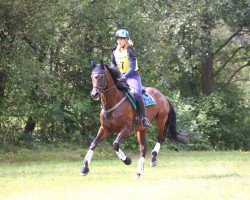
(102, 133)
(161, 139)
(154, 154)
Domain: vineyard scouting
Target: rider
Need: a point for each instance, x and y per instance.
(123, 57)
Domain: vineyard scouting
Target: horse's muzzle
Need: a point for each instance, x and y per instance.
(95, 94)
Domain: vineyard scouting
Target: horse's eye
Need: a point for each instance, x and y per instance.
(95, 76)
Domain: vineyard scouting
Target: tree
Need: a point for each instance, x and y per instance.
(194, 31)
(46, 47)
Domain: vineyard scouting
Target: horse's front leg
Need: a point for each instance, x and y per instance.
(141, 137)
(102, 133)
(116, 145)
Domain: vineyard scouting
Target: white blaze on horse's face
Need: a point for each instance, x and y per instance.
(99, 84)
(95, 93)
(99, 80)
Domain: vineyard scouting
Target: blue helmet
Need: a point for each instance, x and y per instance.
(122, 33)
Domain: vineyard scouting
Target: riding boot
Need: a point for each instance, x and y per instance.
(142, 110)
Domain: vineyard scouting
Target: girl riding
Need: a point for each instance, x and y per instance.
(124, 58)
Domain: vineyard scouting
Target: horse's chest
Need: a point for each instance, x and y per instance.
(117, 120)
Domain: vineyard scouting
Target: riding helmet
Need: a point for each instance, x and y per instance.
(122, 33)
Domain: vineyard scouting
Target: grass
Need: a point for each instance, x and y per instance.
(54, 175)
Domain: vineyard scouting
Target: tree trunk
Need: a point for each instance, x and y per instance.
(207, 75)
(29, 128)
(3, 76)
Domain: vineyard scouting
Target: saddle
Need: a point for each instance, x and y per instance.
(147, 98)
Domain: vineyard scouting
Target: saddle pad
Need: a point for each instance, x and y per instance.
(147, 98)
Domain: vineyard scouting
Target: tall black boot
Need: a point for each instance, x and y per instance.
(142, 110)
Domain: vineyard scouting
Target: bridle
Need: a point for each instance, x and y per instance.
(104, 86)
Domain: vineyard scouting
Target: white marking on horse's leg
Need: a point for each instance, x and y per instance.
(86, 162)
(140, 166)
(157, 148)
(88, 156)
(154, 154)
(121, 155)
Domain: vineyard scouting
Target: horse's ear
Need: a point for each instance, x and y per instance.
(93, 64)
(102, 63)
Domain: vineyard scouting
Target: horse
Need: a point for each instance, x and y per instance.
(118, 117)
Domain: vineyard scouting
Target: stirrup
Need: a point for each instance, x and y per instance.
(145, 122)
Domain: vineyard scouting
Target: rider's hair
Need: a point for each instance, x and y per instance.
(130, 42)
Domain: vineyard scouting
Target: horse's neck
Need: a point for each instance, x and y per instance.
(113, 95)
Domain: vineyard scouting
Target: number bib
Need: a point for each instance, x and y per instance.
(122, 61)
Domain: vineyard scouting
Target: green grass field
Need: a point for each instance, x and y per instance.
(54, 175)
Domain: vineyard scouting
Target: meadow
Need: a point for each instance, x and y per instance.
(54, 174)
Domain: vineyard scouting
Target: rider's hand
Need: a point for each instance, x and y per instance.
(122, 78)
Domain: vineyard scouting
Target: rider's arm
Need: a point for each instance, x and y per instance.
(132, 61)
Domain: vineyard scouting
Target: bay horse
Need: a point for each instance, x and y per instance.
(118, 115)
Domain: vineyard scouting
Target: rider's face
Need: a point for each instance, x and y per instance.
(121, 41)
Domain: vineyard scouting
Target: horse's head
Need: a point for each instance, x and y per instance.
(99, 79)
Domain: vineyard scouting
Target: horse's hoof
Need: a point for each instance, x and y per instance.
(83, 174)
(153, 164)
(137, 176)
(84, 171)
(128, 160)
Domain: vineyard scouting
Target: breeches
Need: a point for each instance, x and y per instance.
(135, 85)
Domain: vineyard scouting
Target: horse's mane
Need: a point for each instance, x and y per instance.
(116, 74)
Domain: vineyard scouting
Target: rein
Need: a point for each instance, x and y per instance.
(114, 107)
(106, 112)
(103, 90)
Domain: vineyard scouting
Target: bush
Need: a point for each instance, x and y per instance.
(214, 121)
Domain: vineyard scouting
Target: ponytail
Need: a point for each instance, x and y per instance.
(130, 42)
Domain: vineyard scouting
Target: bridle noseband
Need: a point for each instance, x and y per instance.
(104, 88)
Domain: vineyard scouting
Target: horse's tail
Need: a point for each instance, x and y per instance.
(170, 128)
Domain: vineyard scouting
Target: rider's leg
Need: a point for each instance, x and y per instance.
(142, 110)
(135, 84)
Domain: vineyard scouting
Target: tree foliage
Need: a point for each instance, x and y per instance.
(196, 52)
